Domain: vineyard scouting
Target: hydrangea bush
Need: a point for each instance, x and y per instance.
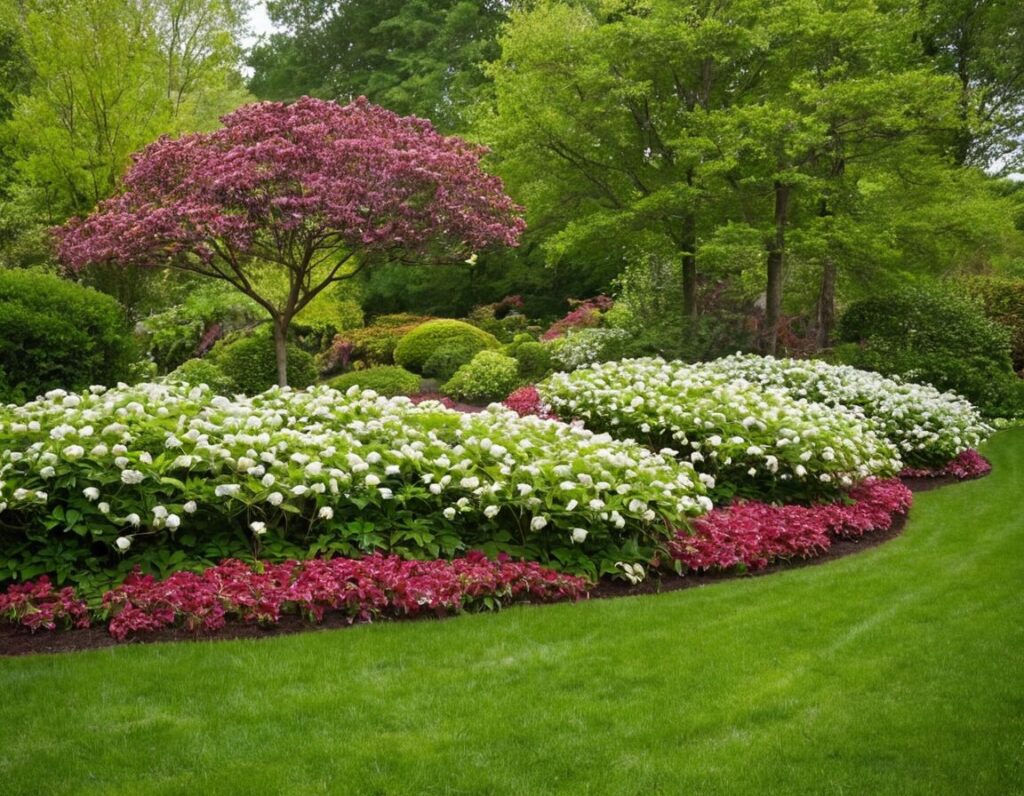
(754, 440)
(167, 475)
(929, 427)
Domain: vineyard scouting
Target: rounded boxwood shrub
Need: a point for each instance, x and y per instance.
(447, 359)
(490, 376)
(202, 371)
(57, 334)
(250, 364)
(386, 380)
(417, 346)
(534, 358)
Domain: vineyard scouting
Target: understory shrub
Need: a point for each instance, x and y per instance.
(371, 345)
(754, 441)
(55, 333)
(490, 376)
(578, 348)
(359, 589)
(534, 358)
(584, 314)
(927, 426)
(162, 475)
(446, 360)
(202, 371)
(1002, 300)
(752, 535)
(329, 314)
(387, 380)
(416, 347)
(938, 338)
(251, 363)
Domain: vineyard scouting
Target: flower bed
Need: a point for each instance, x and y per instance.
(752, 534)
(755, 441)
(172, 476)
(963, 467)
(928, 427)
(360, 589)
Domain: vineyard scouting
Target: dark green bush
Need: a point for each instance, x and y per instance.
(415, 348)
(491, 376)
(55, 333)
(1002, 300)
(447, 359)
(250, 364)
(534, 358)
(934, 337)
(202, 371)
(386, 380)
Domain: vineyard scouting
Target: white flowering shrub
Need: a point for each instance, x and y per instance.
(169, 475)
(929, 427)
(581, 347)
(753, 440)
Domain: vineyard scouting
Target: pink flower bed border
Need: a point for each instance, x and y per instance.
(967, 465)
(360, 589)
(752, 535)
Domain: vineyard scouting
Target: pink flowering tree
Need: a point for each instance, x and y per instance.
(313, 191)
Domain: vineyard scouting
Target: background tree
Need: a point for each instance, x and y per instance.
(313, 191)
(102, 78)
(420, 57)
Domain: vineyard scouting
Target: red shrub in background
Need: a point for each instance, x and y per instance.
(584, 315)
(527, 401)
(969, 464)
(753, 534)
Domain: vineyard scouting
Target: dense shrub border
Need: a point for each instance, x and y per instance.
(962, 467)
(361, 589)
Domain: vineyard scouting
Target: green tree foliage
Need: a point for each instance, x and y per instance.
(100, 79)
(419, 57)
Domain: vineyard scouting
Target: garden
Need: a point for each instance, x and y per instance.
(678, 351)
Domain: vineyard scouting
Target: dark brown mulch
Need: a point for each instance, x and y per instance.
(18, 641)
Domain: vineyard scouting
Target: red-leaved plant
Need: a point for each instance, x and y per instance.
(752, 534)
(968, 464)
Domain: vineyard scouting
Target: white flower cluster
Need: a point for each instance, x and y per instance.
(581, 347)
(756, 440)
(929, 427)
(164, 456)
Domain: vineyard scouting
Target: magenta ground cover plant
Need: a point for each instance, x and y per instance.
(360, 589)
(753, 534)
(966, 465)
(527, 401)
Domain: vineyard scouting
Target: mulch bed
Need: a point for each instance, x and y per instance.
(17, 641)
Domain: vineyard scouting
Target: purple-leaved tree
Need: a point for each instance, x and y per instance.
(314, 190)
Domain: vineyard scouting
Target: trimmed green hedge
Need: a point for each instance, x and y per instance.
(413, 350)
(251, 364)
(491, 376)
(386, 380)
(55, 333)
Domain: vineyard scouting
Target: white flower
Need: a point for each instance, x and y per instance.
(104, 508)
(449, 513)
(131, 476)
(159, 512)
(436, 489)
(190, 507)
(172, 521)
(326, 513)
(275, 498)
(372, 480)
(471, 482)
(524, 489)
(258, 528)
(123, 543)
(491, 511)
(227, 490)
(579, 535)
(538, 523)
(385, 493)
(47, 472)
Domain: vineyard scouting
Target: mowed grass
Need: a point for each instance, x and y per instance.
(898, 670)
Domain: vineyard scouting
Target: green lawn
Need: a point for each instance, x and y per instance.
(898, 670)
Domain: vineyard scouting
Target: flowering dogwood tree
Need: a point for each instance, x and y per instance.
(306, 194)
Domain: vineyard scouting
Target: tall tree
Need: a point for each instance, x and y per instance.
(105, 77)
(414, 56)
(981, 44)
(306, 194)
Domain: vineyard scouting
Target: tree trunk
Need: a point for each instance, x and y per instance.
(281, 350)
(827, 304)
(776, 257)
(689, 241)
